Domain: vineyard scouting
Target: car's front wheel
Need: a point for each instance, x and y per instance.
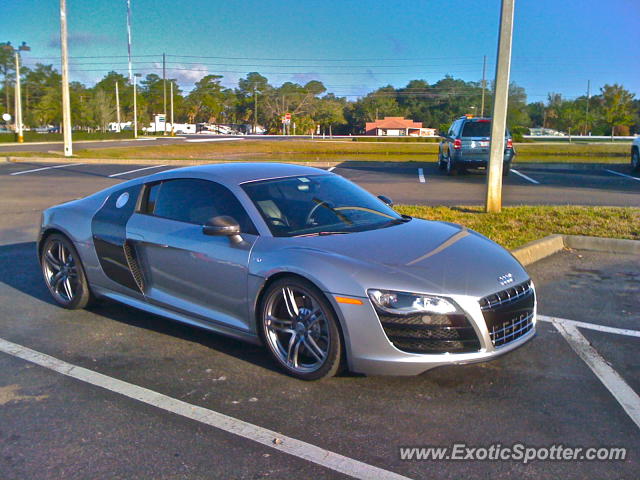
(63, 273)
(300, 329)
(635, 159)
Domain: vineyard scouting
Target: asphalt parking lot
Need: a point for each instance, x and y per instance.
(56, 423)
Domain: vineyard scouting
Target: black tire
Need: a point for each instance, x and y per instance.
(441, 164)
(272, 324)
(506, 169)
(635, 159)
(450, 166)
(69, 276)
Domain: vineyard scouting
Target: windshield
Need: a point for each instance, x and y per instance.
(318, 205)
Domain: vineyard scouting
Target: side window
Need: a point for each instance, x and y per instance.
(195, 201)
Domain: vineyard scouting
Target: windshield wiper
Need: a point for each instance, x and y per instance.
(320, 234)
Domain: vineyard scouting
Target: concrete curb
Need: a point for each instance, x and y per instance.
(200, 161)
(599, 244)
(538, 249)
(567, 167)
(347, 163)
(544, 247)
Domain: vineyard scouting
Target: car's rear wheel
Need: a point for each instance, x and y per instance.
(506, 169)
(635, 159)
(63, 273)
(451, 167)
(300, 329)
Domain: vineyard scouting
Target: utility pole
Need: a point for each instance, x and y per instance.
(500, 102)
(172, 129)
(164, 92)
(129, 38)
(484, 69)
(255, 108)
(117, 107)
(18, 96)
(17, 101)
(586, 118)
(135, 107)
(66, 104)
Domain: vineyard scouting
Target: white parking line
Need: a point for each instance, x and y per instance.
(136, 170)
(591, 326)
(622, 174)
(421, 175)
(331, 169)
(297, 448)
(525, 177)
(46, 168)
(194, 140)
(623, 393)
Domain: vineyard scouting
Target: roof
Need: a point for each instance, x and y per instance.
(393, 122)
(242, 172)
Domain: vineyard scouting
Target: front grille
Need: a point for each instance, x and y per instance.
(509, 313)
(511, 330)
(422, 333)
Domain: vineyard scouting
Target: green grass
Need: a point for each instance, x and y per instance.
(516, 226)
(57, 137)
(397, 139)
(338, 150)
(526, 150)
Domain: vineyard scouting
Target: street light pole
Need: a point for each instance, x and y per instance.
(484, 69)
(500, 102)
(135, 108)
(255, 108)
(117, 107)
(66, 104)
(171, 93)
(18, 101)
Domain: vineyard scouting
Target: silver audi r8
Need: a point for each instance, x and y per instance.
(323, 273)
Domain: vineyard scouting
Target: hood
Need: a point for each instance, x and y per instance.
(424, 256)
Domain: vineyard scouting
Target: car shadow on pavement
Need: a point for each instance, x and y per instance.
(19, 269)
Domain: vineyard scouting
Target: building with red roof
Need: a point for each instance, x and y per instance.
(398, 126)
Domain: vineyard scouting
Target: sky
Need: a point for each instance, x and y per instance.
(351, 46)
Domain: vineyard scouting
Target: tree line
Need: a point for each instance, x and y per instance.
(614, 110)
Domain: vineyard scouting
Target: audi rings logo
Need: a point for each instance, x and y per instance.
(505, 279)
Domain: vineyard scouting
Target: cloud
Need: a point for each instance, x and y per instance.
(185, 75)
(80, 39)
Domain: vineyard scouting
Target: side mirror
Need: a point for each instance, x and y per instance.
(223, 226)
(386, 200)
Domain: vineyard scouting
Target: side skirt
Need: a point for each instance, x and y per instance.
(163, 312)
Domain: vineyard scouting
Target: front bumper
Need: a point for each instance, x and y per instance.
(369, 350)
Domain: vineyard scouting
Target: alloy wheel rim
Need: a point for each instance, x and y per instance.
(297, 329)
(60, 271)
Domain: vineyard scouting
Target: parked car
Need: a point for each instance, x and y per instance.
(299, 259)
(466, 145)
(635, 154)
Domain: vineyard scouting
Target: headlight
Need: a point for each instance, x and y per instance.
(404, 303)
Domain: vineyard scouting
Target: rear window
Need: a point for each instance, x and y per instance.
(476, 129)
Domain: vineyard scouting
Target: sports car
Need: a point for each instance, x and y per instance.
(324, 274)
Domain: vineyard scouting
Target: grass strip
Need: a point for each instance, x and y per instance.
(515, 226)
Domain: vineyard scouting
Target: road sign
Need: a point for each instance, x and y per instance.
(287, 116)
